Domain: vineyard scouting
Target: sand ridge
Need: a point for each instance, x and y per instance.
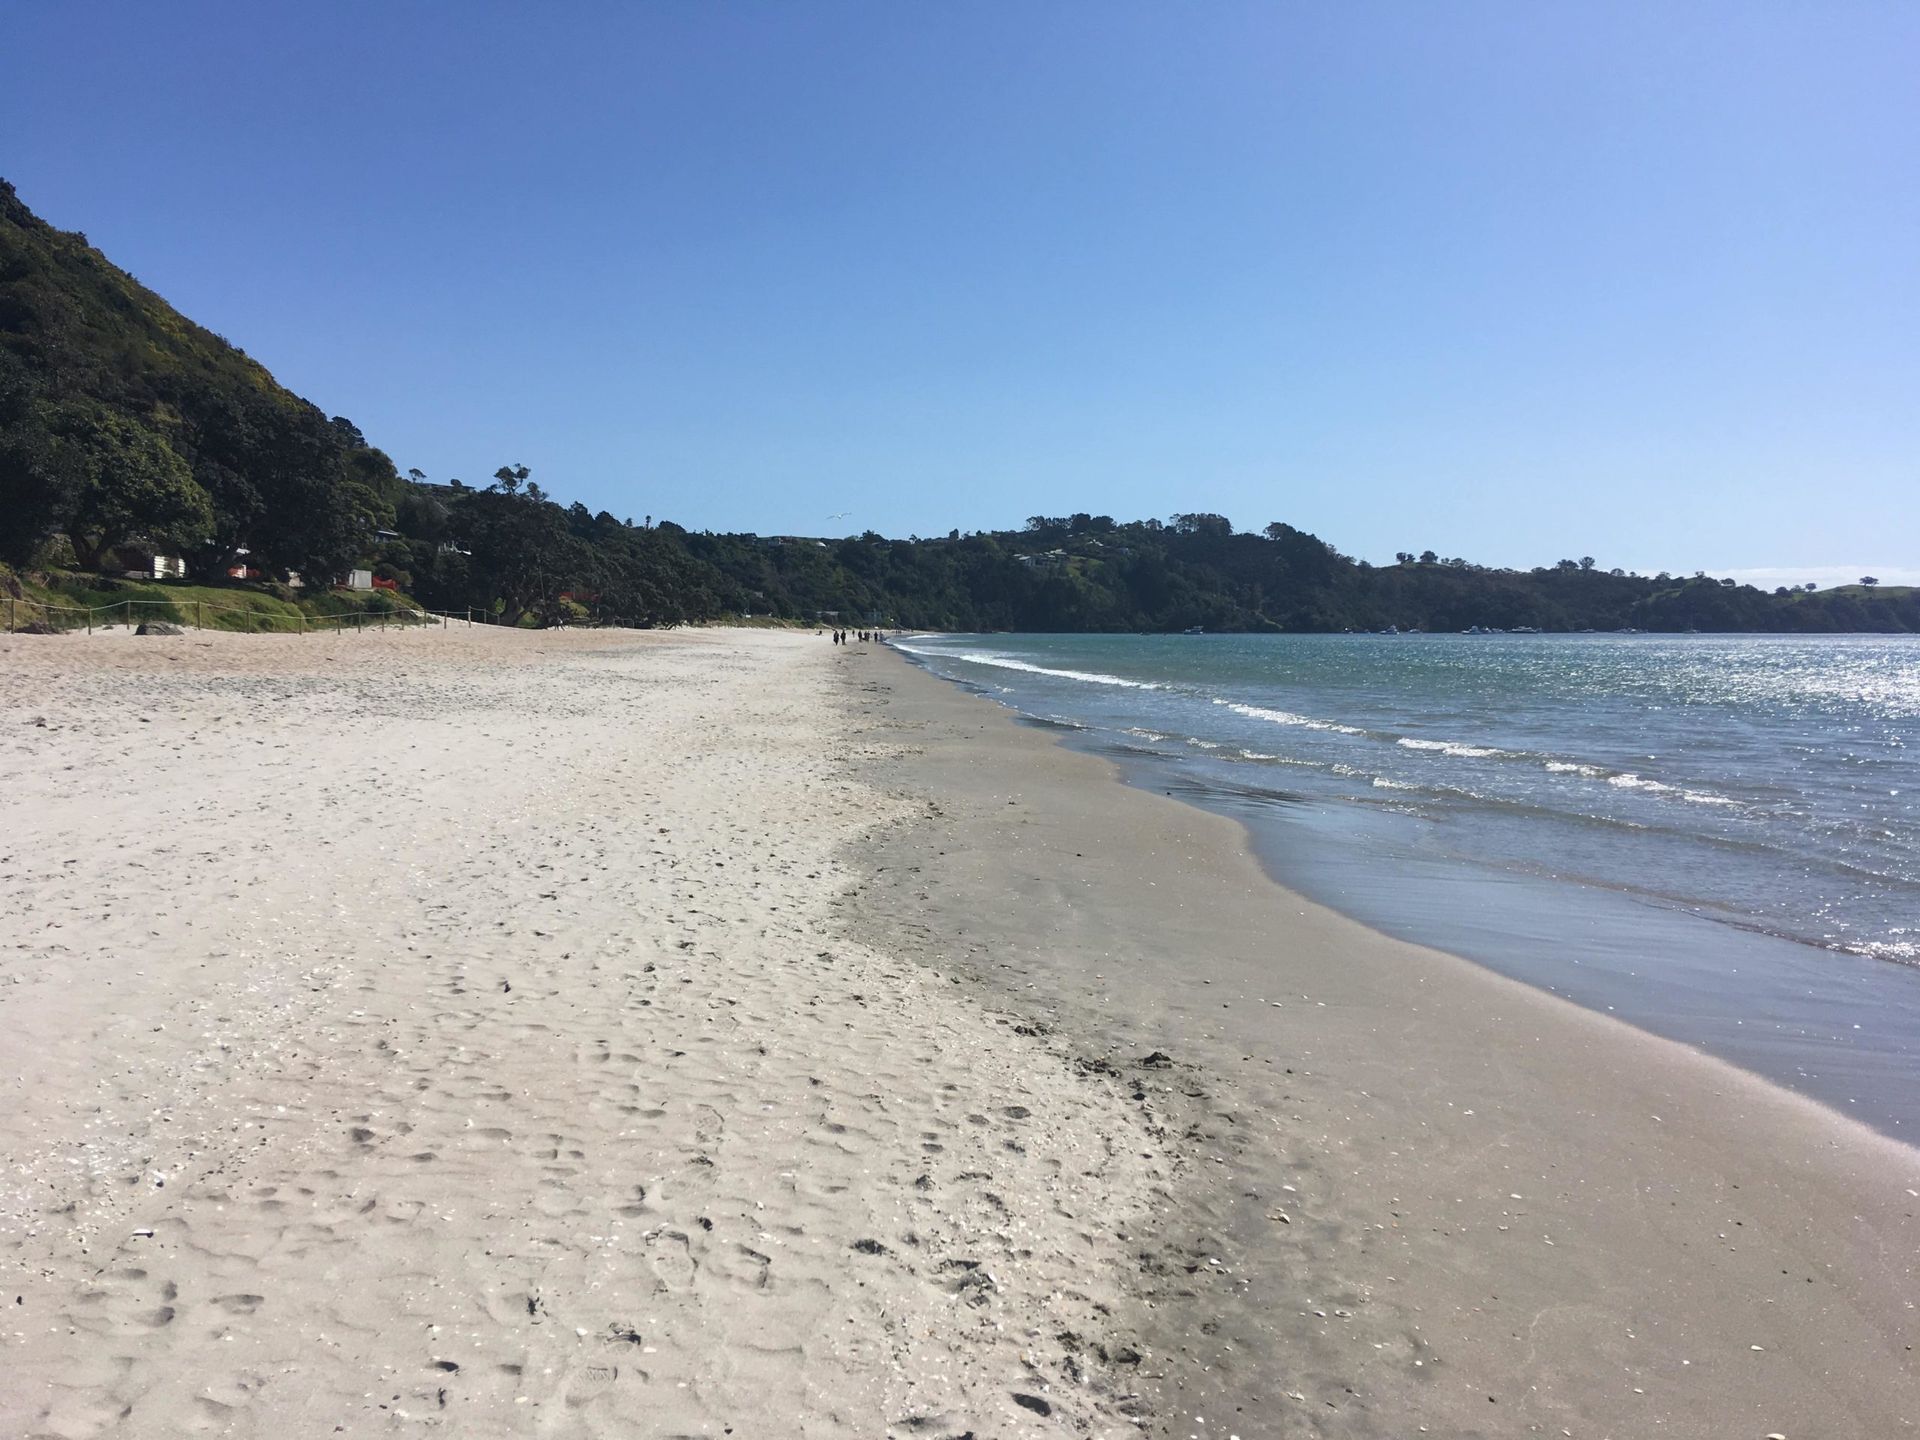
(455, 1031)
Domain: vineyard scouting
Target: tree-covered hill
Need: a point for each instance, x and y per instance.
(122, 421)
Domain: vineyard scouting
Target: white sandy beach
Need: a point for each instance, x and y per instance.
(448, 1030)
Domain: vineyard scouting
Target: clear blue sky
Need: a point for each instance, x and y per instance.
(1513, 281)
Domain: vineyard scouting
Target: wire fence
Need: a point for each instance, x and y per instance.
(27, 614)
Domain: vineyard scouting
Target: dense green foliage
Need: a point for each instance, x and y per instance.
(1075, 573)
(120, 420)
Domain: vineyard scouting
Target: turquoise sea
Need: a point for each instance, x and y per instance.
(1714, 837)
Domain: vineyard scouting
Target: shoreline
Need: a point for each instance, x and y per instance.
(1786, 1023)
(1437, 1110)
(1837, 1024)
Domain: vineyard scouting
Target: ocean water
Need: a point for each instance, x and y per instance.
(1714, 837)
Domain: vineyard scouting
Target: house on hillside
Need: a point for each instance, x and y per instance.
(1051, 563)
(357, 580)
(143, 562)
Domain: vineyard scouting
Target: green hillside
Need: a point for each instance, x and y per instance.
(74, 602)
(122, 420)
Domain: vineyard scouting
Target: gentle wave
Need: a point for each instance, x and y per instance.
(1903, 952)
(1535, 805)
(1451, 747)
(1574, 767)
(1287, 717)
(1460, 750)
(1627, 780)
(1007, 662)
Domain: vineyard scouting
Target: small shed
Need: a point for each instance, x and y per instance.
(143, 562)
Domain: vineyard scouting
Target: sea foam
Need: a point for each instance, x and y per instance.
(1007, 662)
(1451, 747)
(1287, 717)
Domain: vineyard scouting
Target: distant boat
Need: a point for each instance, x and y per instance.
(1390, 630)
(1194, 630)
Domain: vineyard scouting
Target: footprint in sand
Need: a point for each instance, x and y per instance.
(672, 1259)
(742, 1266)
(587, 1385)
(708, 1124)
(221, 1397)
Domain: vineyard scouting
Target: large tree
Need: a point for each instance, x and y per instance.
(319, 511)
(118, 481)
(38, 481)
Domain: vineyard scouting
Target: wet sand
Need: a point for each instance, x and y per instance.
(1413, 1196)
